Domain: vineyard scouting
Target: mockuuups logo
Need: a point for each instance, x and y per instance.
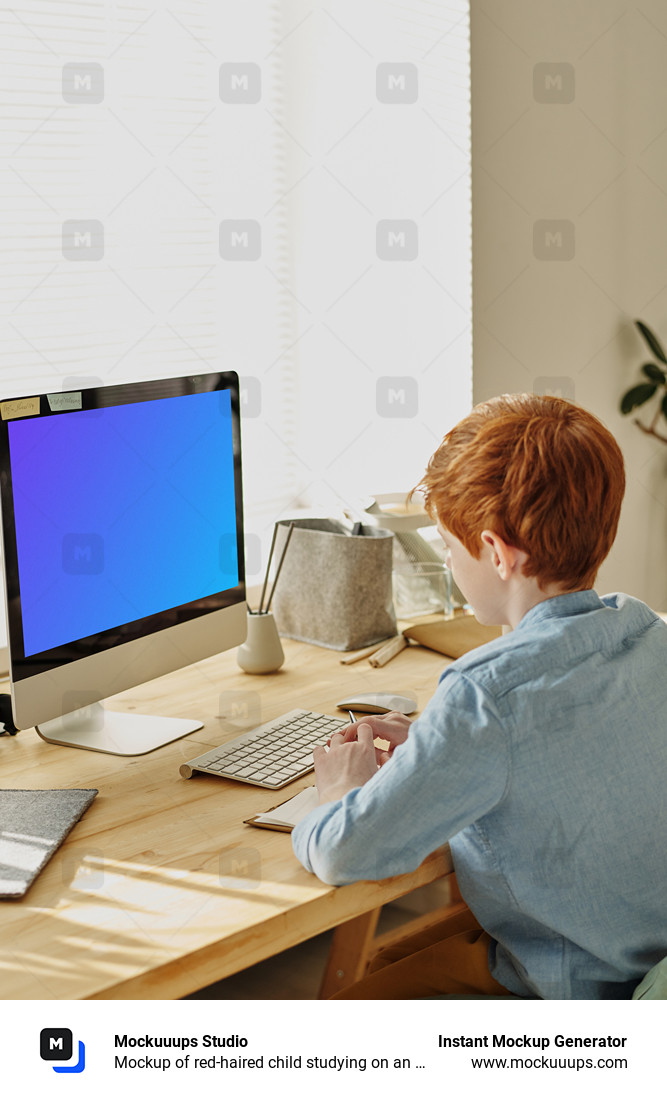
(56, 1045)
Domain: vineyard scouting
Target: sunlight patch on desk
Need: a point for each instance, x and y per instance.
(24, 852)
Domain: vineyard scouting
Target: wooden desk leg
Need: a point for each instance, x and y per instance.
(349, 953)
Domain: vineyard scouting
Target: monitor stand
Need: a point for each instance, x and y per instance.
(115, 732)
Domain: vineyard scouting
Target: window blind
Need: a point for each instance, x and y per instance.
(197, 184)
(380, 226)
(143, 231)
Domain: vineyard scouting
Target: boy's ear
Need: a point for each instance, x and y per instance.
(507, 560)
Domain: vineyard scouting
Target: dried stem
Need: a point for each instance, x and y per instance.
(651, 430)
(656, 418)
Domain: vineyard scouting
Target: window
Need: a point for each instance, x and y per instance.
(277, 188)
(378, 154)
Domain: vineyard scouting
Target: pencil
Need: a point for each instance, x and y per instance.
(268, 566)
(280, 565)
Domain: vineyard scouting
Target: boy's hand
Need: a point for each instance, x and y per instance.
(348, 763)
(392, 728)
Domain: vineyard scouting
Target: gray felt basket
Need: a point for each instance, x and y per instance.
(334, 588)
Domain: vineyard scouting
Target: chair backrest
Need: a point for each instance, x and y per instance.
(654, 986)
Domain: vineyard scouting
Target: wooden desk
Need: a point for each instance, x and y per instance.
(160, 889)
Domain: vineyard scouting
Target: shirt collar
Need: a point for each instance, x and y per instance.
(561, 607)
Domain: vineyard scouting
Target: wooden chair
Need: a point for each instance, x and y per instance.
(356, 942)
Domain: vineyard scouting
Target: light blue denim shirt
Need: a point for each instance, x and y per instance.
(542, 759)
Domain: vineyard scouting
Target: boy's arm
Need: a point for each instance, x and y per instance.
(451, 770)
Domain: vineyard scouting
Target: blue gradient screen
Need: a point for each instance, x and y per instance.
(122, 512)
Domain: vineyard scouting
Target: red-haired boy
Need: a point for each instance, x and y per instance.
(542, 756)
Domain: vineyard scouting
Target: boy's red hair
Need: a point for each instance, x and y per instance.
(544, 474)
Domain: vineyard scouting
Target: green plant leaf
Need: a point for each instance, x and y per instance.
(637, 396)
(652, 341)
(652, 371)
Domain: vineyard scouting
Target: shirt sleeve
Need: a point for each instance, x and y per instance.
(453, 769)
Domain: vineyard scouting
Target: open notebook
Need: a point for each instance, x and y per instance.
(288, 814)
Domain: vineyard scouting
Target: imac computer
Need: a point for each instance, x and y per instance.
(122, 528)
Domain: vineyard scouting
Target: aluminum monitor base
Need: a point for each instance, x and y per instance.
(114, 731)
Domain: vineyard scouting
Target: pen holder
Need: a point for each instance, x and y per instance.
(262, 650)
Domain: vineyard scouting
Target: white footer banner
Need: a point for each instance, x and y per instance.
(128, 1049)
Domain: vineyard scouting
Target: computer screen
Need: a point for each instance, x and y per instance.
(123, 539)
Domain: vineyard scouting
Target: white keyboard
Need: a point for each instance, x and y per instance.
(272, 754)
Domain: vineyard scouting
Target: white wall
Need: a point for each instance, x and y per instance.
(595, 158)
